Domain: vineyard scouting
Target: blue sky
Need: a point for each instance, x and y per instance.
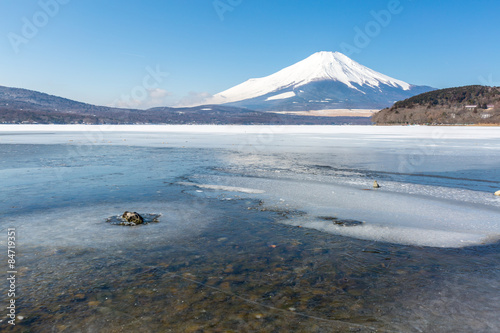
(112, 52)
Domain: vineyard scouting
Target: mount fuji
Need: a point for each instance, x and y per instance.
(324, 80)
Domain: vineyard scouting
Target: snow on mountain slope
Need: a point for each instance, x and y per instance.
(320, 66)
(284, 95)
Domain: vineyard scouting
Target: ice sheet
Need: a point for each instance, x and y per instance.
(82, 227)
(415, 219)
(222, 188)
(437, 182)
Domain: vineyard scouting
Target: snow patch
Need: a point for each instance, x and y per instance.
(223, 188)
(285, 95)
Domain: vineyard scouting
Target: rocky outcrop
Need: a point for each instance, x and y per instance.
(133, 217)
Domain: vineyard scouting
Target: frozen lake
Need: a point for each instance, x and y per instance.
(281, 223)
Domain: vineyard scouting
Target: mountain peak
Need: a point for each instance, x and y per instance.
(326, 59)
(337, 66)
(328, 55)
(324, 67)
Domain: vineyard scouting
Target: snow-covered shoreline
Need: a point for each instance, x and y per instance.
(451, 132)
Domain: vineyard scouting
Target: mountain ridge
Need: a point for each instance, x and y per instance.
(18, 105)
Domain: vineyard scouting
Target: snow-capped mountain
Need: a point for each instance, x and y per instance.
(324, 80)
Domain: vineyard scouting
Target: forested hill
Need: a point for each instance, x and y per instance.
(462, 105)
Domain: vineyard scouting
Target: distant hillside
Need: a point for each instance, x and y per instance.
(26, 106)
(462, 105)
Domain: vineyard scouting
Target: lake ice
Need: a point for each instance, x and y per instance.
(437, 183)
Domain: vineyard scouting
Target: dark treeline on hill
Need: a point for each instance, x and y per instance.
(462, 105)
(22, 106)
(218, 115)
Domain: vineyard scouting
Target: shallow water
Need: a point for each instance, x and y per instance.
(246, 240)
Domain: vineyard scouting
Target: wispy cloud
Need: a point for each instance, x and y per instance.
(154, 98)
(194, 98)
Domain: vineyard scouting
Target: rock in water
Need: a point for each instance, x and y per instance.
(133, 217)
(375, 184)
(497, 193)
